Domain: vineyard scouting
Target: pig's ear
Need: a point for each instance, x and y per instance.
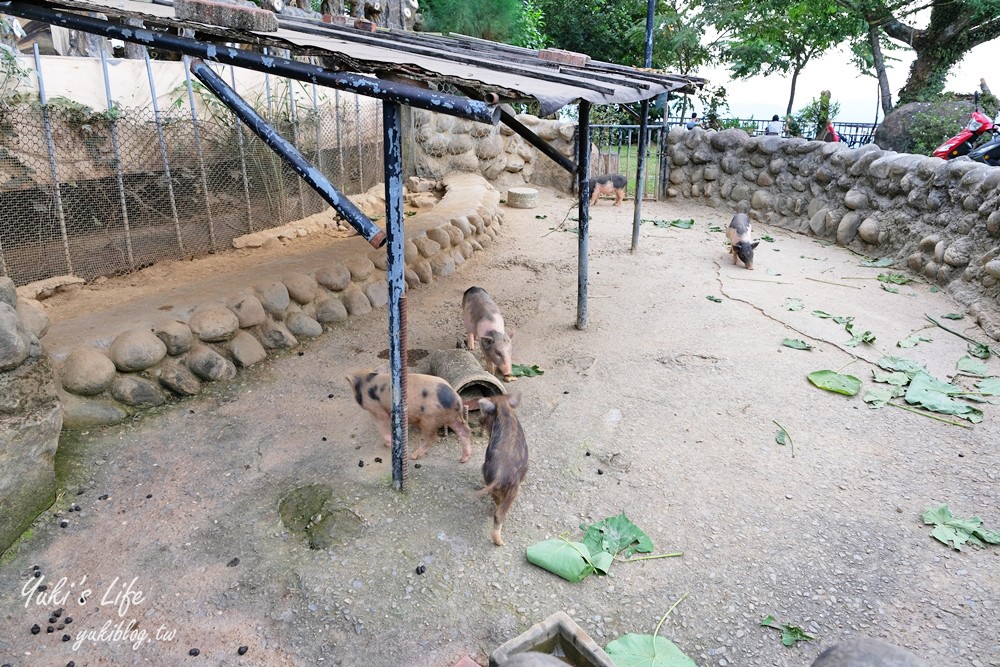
(755, 244)
(486, 406)
(511, 334)
(351, 380)
(514, 398)
(486, 341)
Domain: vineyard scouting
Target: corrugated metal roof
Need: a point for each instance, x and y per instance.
(470, 65)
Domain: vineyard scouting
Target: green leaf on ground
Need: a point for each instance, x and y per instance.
(978, 350)
(877, 397)
(971, 366)
(954, 316)
(913, 339)
(896, 378)
(901, 364)
(879, 263)
(410, 214)
(525, 371)
(848, 385)
(891, 290)
(823, 315)
(934, 289)
(894, 278)
(569, 560)
(768, 238)
(956, 532)
(844, 320)
(796, 344)
(634, 650)
(790, 634)
(772, 272)
(866, 337)
(936, 395)
(680, 224)
(715, 228)
(541, 217)
(792, 304)
(989, 386)
(616, 534)
(714, 298)
(781, 437)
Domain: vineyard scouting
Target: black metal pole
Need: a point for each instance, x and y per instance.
(391, 91)
(583, 184)
(640, 170)
(536, 141)
(393, 153)
(344, 206)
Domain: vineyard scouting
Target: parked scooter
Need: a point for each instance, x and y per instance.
(964, 143)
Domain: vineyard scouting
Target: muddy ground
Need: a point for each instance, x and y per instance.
(665, 408)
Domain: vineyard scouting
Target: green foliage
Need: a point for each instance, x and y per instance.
(931, 128)
(524, 371)
(599, 28)
(677, 37)
(616, 534)
(496, 20)
(530, 32)
(714, 100)
(811, 116)
(847, 385)
(11, 74)
(633, 650)
(790, 634)
(955, 532)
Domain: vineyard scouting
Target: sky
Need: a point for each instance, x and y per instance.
(762, 97)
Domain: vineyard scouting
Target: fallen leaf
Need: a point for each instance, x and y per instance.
(936, 395)
(913, 339)
(978, 350)
(956, 532)
(989, 386)
(971, 366)
(877, 397)
(634, 650)
(569, 560)
(796, 344)
(772, 272)
(781, 437)
(954, 316)
(901, 364)
(896, 378)
(524, 371)
(714, 298)
(894, 278)
(848, 385)
(891, 290)
(768, 238)
(866, 337)
(790, 634)
(541, 217)
(879, 263)
(616, 534)
(792, 304)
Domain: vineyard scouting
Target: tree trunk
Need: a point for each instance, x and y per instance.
(885, 95)
(791, 94)
(929, 71)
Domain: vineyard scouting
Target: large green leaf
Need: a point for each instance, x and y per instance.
(792, 304)
(936, 395)
(895, 278)
(569, 560)
(879, 263)
(896, 378)
(901, 364)
(953, 316)
(616, 534)
(955, 532)
(989, 386)
(634, 650)
(877, 397)
(847, 385)
(796, 344)
(971, 366)
(864, 337)
(525, 371)
(978, 350)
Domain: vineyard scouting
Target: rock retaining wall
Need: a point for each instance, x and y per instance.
(166, 359)
(940, 219)
(30, 416)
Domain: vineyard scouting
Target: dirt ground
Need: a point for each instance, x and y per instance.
(665, 408)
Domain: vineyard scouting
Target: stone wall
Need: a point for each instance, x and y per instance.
(937, 218)
(444, 144)
(30, 416)
(165, 359)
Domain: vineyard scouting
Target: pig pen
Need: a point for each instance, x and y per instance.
(260, 514)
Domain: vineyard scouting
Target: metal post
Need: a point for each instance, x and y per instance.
(115, 150)
(640, 178)
(583, 184)
(345, 207)
(393, 152)
(201, 155)
(664, 158)
(54, 172)
(243, 156)
(340, 136)
(267, 92)
(293, 112)
(163, 153)
(357, 134)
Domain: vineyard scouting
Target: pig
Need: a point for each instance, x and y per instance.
(609, 184)
(506, 455)
(431, 403)
(738, 234)
(483, 321)
(866, 652)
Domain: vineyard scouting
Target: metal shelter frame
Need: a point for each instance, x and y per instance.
(505, 74)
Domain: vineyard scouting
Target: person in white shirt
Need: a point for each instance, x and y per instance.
(775, 127)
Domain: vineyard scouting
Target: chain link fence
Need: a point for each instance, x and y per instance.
(106, 193)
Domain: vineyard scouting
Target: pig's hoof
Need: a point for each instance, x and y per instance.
(509, 378)
(497, 540)
(464, 458)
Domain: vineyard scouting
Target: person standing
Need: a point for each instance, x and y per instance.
(775, 127)
(693, 123)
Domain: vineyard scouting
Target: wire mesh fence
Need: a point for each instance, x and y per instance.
(105, 193)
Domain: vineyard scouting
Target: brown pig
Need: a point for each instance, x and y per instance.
(738, 233)
(506, 455)
(483, 321)
(431, 403)
(609, 184)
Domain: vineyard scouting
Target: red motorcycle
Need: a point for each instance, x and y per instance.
(965, 141)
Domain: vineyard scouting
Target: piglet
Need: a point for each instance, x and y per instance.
(506, 455)
(738, 234)
(483, 321)
(431, 403)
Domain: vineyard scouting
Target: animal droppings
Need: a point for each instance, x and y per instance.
(421, 569)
